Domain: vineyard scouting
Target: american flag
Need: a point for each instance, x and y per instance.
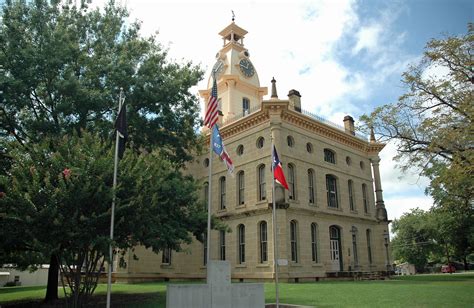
(212, 112)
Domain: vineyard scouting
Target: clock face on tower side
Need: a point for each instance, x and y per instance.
(218, 68)
(246, 67)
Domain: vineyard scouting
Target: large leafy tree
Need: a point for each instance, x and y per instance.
(62, 66)
(65, 194)
(432, 126)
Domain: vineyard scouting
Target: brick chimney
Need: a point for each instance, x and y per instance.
(349, 125)
(295, 100)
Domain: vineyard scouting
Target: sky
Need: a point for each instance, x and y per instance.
(345, 57)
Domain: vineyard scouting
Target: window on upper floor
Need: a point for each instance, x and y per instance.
(241, 188)
(291, 182)
(311, 196)
(364, 198)
(350, 187)
(331, 190)
(262, 190)
(329, 156)
(222, 192)
(291, 141)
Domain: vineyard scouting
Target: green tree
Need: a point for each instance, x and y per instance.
(66, 194)
(432, 126)
(62, 66)
(413, 240)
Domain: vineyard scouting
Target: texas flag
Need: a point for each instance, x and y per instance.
(219, 149)
(278, 170)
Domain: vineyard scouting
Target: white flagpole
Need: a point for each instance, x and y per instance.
(111, 256)
(275, 246)
(209, 194)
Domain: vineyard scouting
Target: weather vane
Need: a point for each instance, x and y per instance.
(233, 15)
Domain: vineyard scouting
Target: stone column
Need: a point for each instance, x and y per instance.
(381, 212)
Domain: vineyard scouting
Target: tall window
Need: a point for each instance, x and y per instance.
(245, 106)
(354, 246)
(241, 187)
(291, 182)
(222, 193)
(329, 156)
(364, 198)
(311, 186)
(331, 189)
(350, 186)
(241, 242)
(294, 241)
(206, 193)
(263, 242)
(222, 245)
(369, 246)
(262, 192)
(166, 256)
(314, 243)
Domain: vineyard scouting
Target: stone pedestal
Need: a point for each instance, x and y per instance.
(218, 292)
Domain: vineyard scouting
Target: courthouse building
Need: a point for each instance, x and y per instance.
(331, 222)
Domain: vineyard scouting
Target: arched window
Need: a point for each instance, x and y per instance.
(291, 141)
(369, 246)
(240, 150)
(222, 245)
(241, 243)
(291, 182)
(245, 106)
(166, 256)
(314, 243)
(262, 190)
(294, 240)
(241, 187)
(329, 156)
(350, 187)
(331, 189)
(309, 147)
(364, 198)
(263, 241)
(311, 186)
(222, 193)
(355, 253)
(260, 142)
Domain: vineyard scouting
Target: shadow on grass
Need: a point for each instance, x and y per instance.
(10, 290)
(435, 278)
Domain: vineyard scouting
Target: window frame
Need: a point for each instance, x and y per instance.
(294, 241)
(314, 243)
(332, 195)
(241, 243)
(311, 190)
(329, 156)
(261, 188)
(350, 188)
(240, 188)
(291, 179)
(263, 241)
(222, 193)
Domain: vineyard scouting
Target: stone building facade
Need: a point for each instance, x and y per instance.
(329, 223)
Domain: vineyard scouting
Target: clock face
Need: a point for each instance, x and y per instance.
(246, 67)
(218, 68)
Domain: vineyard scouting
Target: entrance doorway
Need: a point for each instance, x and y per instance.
(335, 248)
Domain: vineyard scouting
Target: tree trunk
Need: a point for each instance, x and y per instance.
(466, 265)
(52, 288)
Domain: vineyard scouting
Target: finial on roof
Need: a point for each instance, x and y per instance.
(233, 16)
(274, 89)
(372, 135)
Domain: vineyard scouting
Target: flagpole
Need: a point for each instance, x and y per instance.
(111, 256)
(275, 246)
(209, 194)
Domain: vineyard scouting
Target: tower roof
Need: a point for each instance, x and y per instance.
(233, 28)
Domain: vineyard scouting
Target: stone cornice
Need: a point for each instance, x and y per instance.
(316, 212)
(277, 107)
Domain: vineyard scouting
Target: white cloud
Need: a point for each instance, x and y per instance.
(367, 38)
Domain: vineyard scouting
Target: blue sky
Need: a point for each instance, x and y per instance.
(344, 56)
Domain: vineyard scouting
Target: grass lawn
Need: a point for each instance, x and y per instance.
(443, 290)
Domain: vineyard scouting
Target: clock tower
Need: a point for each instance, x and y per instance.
(238, 86)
